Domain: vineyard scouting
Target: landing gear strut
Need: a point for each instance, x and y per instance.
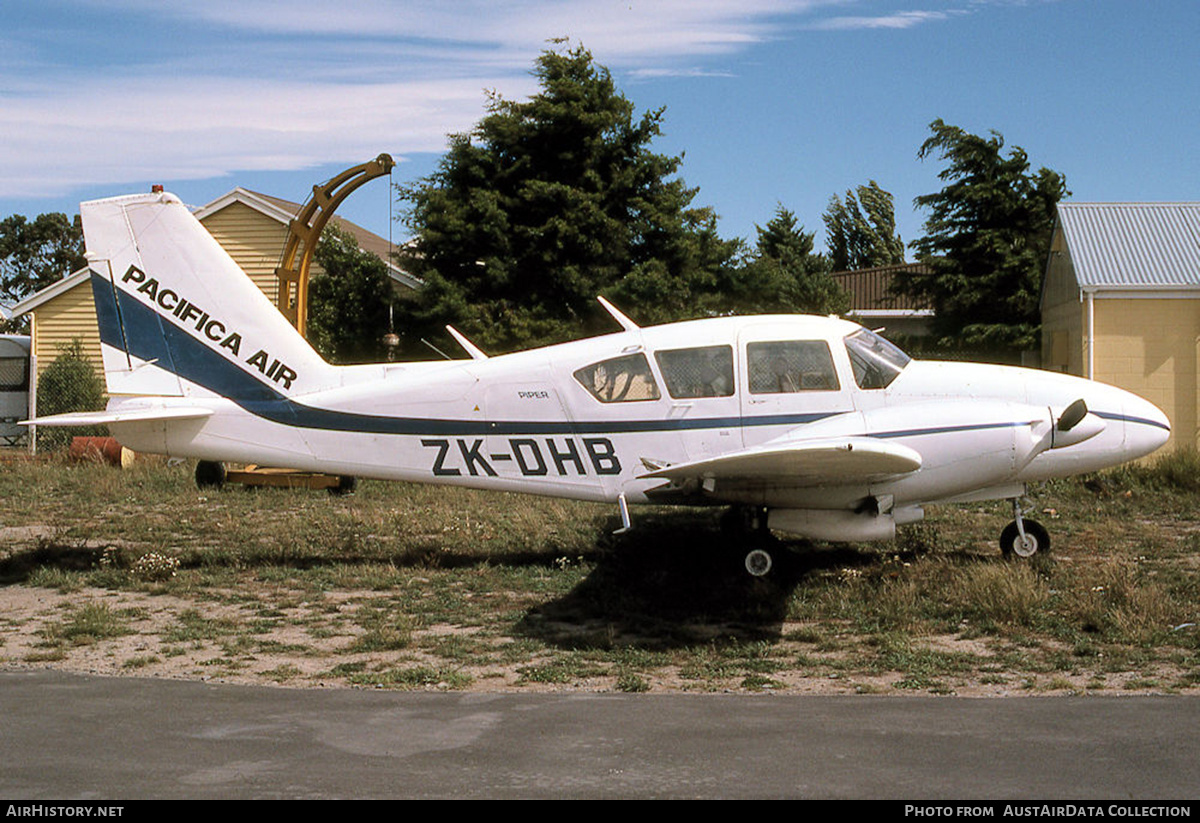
(1023, 538)
(749, 525)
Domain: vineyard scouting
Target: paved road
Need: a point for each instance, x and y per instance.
(72, 737)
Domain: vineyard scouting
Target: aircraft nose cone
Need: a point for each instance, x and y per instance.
(1146, 427)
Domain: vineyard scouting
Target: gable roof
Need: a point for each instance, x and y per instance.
(50, 292)
(1133, 245)
(284, 210)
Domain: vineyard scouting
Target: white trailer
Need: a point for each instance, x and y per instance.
(14, 387)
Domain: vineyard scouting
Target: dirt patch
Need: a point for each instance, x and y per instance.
(171, 637)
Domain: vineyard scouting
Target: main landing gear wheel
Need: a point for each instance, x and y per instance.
(347, 484)
(210, 474)
(748, 524)
(759, 562)
(1036, 541)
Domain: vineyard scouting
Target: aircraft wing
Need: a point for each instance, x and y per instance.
(105, 418)
(806, 462)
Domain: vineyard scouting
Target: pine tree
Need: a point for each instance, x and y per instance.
(986, 238)
(550, 202)
(784, 274)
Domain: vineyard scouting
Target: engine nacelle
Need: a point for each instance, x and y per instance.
(841, 525)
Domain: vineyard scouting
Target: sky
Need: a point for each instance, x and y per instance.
(771, 102)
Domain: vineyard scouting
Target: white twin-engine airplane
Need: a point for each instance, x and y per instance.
(813, 426)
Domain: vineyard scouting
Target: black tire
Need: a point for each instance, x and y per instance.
(759, 562)
(1035, 533)
(346, 485)
(210, 474)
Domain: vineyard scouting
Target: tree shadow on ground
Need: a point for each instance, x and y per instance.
(677, 580)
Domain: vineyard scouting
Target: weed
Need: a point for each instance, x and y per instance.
(89, 623)
(139, 662)
(282, 674)
(632, 682)
(418, 677)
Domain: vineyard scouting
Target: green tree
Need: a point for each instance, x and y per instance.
(69, 384)
(860, 231)
(35, 254)
(783, 274)
(549, 202)
(986, 238)
(348, 310)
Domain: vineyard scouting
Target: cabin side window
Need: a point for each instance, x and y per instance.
(788, 366)
(706, 371)
(619, 380)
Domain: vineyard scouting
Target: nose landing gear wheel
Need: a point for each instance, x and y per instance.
(759, 562)
(1037, 540)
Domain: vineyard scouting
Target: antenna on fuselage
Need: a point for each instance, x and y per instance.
(436, 349)
(471, 349)
(626, 323)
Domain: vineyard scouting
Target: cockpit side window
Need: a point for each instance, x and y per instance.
(788, 366)
(706, 371)
(876, 362)
(619, 380)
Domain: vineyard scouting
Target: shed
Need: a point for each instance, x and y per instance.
(1121, 303)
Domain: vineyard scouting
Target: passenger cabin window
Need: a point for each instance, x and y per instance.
(619, 380)
(790, 366)
(876, 362)
(701, 372)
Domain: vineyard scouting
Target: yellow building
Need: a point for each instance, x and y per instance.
(1121, 303)
(251, 226)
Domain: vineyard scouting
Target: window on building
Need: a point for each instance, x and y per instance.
(14, 374)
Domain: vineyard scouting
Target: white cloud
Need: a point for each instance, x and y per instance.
(633, 29)
(201, 128)
(112, 90)
(108, 91)
(899, 20)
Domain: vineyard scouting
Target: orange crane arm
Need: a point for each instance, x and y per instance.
(305, 230)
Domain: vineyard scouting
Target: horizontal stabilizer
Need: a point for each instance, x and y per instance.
(106, 418)
(833, 461)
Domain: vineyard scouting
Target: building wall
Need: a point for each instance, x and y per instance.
(253, 240)
(1151, 347)
(1063, 337)
(59, 321)
(1064, 320)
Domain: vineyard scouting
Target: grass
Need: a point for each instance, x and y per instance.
(401, 586)
(87, 624)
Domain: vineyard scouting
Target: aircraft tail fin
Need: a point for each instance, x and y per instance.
(177, 316)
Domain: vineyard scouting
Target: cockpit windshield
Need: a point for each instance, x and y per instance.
(876, 362)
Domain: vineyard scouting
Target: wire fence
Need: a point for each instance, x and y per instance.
(69, 384)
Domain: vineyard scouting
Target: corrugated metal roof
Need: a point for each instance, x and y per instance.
(1133, 245)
